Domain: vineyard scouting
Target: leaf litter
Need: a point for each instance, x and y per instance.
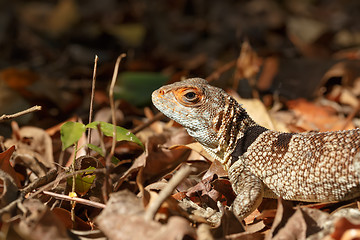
(144, 193)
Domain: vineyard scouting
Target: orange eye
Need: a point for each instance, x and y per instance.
(189, 96)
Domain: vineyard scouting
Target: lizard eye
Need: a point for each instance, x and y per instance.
(189, 96)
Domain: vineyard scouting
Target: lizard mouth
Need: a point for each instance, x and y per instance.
(170, 107)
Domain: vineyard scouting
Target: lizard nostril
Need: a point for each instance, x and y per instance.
(161, 92)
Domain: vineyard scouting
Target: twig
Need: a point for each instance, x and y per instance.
(166, 192)
(351, 116)
(15, 115)
(11, 206)
(215, 75)
(112, 103)
(158, 116)
(113, 119)
(75, 199)
(92, 99)
(64, 176)
(50, 176)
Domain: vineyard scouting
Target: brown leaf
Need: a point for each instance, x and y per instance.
(345, 74)
(160, 161)
(52, 20)
(257, 110)
(123, 219)
(270, 70)
(196, 147)
(41, 223)
(283, 213)
(211, 190)
(18, 79)
(35, 142)
(6, 166)
(215, 168)
(315, 117)
(304, 34)
(299, 224)
(9, 191)
(229, 224)
(342, 226)
(247, 65)
(65, 217)
(225, 188)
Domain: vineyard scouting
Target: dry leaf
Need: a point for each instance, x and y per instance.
(315, 117)
(34, 142)
(6, 166)
(41, 223)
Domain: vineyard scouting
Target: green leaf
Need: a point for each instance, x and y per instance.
(136, 87)
(96, 149)
(71, 132)
(122, 134)
(92, 125)
(83, 181)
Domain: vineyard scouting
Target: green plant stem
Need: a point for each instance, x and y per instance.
(73, 183)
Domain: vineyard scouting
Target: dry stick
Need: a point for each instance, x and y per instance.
(351, 116)
(113, 117)
(92, 100)
(75, 199)
(50, 176)
(139, 128)
(112, 104)
(64, 176)
(10, 207)
(215, 75)
(15, 115)
(154, 206)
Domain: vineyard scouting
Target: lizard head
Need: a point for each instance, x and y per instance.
(196, 105)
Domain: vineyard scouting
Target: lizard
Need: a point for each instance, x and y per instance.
(310, 166)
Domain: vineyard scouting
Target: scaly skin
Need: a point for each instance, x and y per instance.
(261, 163)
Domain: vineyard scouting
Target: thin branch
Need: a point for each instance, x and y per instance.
(50, 176)
(113, 119)
(154, 206)
(351, 116)
(64, 176)
(157, 117)
(217, 73)
(10, 207)
(75, 199)
(15, 115)
(112, 103)
(92, 99)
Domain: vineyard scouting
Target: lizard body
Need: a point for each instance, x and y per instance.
(313, 166)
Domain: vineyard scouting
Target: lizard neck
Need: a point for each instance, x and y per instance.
(229, 125)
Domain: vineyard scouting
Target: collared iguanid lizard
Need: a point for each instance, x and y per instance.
(312, 166)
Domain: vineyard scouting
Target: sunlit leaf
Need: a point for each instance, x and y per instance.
(83, 181)
(92, 125)
(71, 132)
(122, 134)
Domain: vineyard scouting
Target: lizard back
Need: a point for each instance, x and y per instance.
(307, 166)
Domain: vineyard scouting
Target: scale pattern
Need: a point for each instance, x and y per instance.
(313, 166)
